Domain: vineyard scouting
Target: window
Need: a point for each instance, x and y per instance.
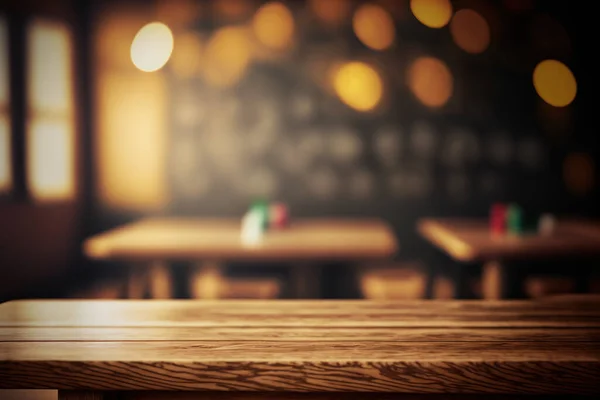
(5, 124)
(50, 151)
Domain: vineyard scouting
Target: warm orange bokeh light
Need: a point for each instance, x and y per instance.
(233, 10)
(374, 27)
(555, 83)
(273, 26)
(131, 140)
(430, 81)
(227, 56)
(152, 47)
(331, 12)
(470, 31)
(178, 13)
(579, 173)
(187, 58)
(432, 13)
(358, 85)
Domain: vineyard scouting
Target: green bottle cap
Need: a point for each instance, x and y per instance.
(262, 208)
(515, 219)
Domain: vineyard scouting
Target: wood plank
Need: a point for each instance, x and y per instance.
(474, 367)
(191, 239)
(329, 396)
(250, 313)
(315, 352)
(323, 334)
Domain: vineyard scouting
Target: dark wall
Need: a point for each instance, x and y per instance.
(279, 133)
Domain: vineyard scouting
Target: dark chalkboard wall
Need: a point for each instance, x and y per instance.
(280, 133)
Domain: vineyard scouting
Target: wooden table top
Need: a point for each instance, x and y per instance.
(469, 240)
(189, 239)
(501, 347)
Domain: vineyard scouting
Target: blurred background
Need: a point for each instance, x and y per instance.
(111, 111)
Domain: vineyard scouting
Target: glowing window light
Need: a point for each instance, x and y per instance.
(50, 160)
(152, 47)
(50, 69)
(374, 27)
(470, 31)
(555, 83)
(273, 26)
(358, 85)
(131, 141)
(50, 126)
(430, 81)
(432, 13)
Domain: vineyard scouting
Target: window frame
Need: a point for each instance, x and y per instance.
(19, 15)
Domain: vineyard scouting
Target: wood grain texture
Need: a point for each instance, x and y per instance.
(323, 334)
(470, 240)
(328, 396)
(473, 347)
(296, 313)
(200, 239)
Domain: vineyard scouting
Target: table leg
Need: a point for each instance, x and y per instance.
(137, 282)
(205, 281)
(161, 284)
(306, 280)
(493, 280)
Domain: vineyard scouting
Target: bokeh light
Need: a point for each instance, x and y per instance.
(186, 60)
(579, 173)
(432, 13)
(331, 12)
(430, 81)
(178, 13)
(470, 31)
(273, 26)
(358, 85)
(152, 47)
(374, 27)
(555, 83)
(233, 10)
(227, 56)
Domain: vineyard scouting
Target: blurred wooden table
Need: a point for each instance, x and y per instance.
(471, 241)
(274, 349)
(213, 241)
